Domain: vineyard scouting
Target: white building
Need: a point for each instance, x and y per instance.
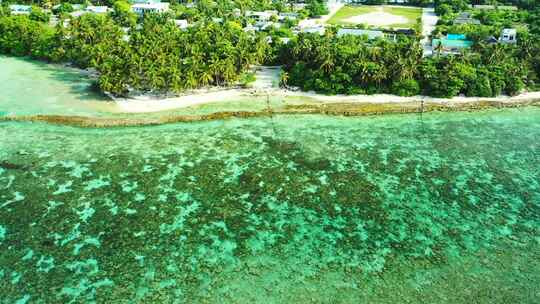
(264, 25)
(17, 9)
(358, 32)
(284, 40)
(78, 13)
(150, 7)
(508, 36)
(306, 23)
(290, 16)
(90, 10)
(261, 16)
(97, 9)
(181, 23)
(250, 29)
(319, 29)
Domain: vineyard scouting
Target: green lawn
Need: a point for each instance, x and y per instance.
(342, 16)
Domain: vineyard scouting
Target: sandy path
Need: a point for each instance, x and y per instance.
(266, 77)
(429, 21)
(333, 7)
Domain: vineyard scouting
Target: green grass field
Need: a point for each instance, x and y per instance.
(345, 15)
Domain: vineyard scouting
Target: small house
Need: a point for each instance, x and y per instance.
(77, 13)
(491, 40)
(494, 7)
(284, 40)
(264, 25)
(144, 1)
(299, 6)
(465, 18)
(97, 9)
(370, 34)
(181, 23)
(508, 36)
(17, 9)
(307, 23)
(319, 29)
(289, 16)
(261, 16)
(250, 29)
(150, 7)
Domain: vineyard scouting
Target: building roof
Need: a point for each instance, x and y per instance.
(315, 30)
(161, 6)
(508, 31)
(492, 39)
(492, 7)
(307, 23)
(78, 13)
(20, 8)
(456, 37)
(97, 9)
(181, 23)
(261, 15)
(467, 21)
(145, 1)
(371, 34)
(465, 18)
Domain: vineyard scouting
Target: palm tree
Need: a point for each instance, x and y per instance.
(205, 77)
(284, 78)
(438, 49)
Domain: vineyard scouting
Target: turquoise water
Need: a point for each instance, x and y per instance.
(29, 87)
(439, 208)
(443, 208)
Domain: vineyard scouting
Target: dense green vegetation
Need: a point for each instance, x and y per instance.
(352, 65)
(151, 54)
(157, 57)
(492, 73)
(489, 68)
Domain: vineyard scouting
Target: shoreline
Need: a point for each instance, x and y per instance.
(337, 107)
(150, 104)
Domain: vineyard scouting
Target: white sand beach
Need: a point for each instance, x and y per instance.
(148, 104)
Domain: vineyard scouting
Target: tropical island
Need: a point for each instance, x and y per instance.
(152, 48)
(109, 195)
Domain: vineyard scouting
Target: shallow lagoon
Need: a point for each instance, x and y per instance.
(290, 209)
(438, 208)
(30, 87)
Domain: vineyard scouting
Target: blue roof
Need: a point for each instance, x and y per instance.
(452, 43)
(456, 37)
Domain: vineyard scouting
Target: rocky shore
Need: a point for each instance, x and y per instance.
(325, 108)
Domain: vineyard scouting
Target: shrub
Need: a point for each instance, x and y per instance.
(406, 87)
